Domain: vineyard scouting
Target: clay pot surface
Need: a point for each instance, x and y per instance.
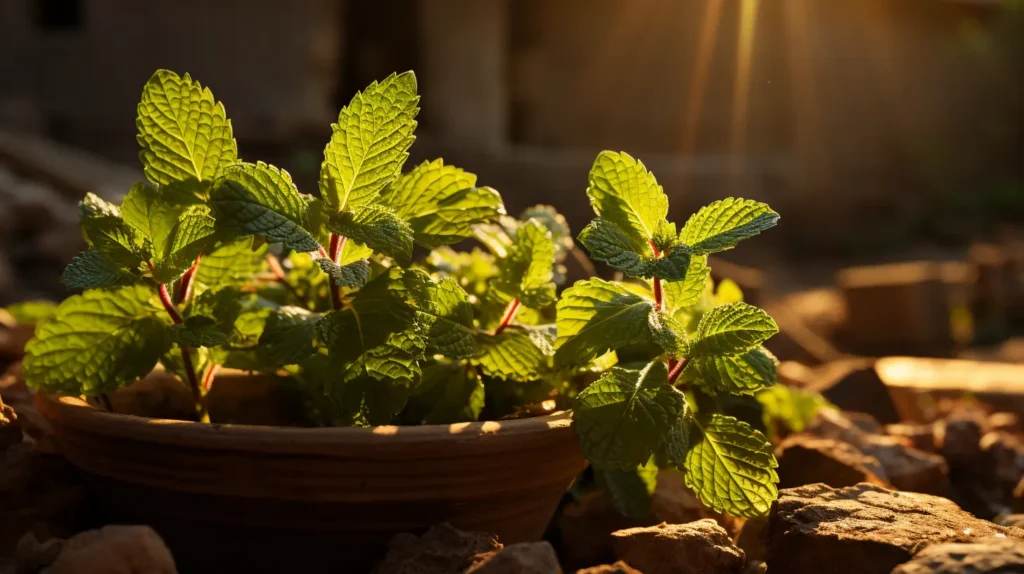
(271, 499)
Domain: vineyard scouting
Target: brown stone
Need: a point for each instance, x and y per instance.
(906, 468)
(701, 547)
(1006, 453)
(751, 539)
(853, 385)
(32, 555)
(805, 459)
(991, 556)
(1008, 422)
(864, 528)
(10, 430)
(920, 436)
(896, 309)
(521, 558)
(619, 567)
(959, 439)
(1015, 520)
(586, 525)
(441, 550)
(115, 550)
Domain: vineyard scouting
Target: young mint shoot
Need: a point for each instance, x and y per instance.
(647, 412)
(216, 261)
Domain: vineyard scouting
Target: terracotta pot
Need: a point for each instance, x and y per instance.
(279, 499)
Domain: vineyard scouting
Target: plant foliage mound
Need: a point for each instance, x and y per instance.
(353, 294)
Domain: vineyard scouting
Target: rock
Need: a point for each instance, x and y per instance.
(1008, 422)
(586, 525)
(1014, 520)
(35, 488)
(701, 547)
(115, 550)
(619, 567)
(920, 436)
(805, 459)
(441, 550)
(751, 539)
(864, 528)
(958, 439)
(988, 557)
(521, 558)
(854, 385)
(10, 430)
(1006, 453)
(896, 309)
(908, 468)
(32, 556)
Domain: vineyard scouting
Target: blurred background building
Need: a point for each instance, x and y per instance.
(866, 123)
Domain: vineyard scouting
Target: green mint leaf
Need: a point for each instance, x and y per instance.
(519, 353)
(441, 203)
(184, 133)
(680, 295)
(93, 205)
(597, 316)
(377, 334)
(149, 213)
(630, 490)
(622, 418)
(624, 193)
(260, 199)
(745, 373)
(608, 243)
(92, 270)
(444, 312)
(473, 270)
(730, 329)
(526, 273)
(731, 467)
(496, 236)
(378, 228)
(447, 393)
(369, 143)
(352, 275)
(198, 331)
(789, 407)
(668, 333)
(549, 217)
(672, 451)
(35, 312)
(232, 264)
(116, 240)
(194, 233)
(724, 223)
(288, 336)
(97, 342)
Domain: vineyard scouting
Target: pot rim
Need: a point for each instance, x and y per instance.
(73, 413)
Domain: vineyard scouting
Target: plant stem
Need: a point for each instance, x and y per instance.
(675, 370)
(208, 377)
(510, 311)
(185, 288)
(337, 244)
(656, 283)
(186, 357)
(105, 399)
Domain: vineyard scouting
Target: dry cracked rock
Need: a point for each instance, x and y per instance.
(989, 557)
(806, 459)
(115, 550)
(521, 558)
(619, 567)
(701, 547)
(441, 550)
(817, 529)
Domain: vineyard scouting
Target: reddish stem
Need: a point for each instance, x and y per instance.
(185, 289)
(676, 370)
(275, 266)
(208, 377)
(186, 357)
(510, 312)
(656, 283)
(337, 244)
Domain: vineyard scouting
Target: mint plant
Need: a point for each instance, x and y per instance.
(215, 261)
(677, 351)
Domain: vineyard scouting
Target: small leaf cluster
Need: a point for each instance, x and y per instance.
(680, 346)
(217, 261)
